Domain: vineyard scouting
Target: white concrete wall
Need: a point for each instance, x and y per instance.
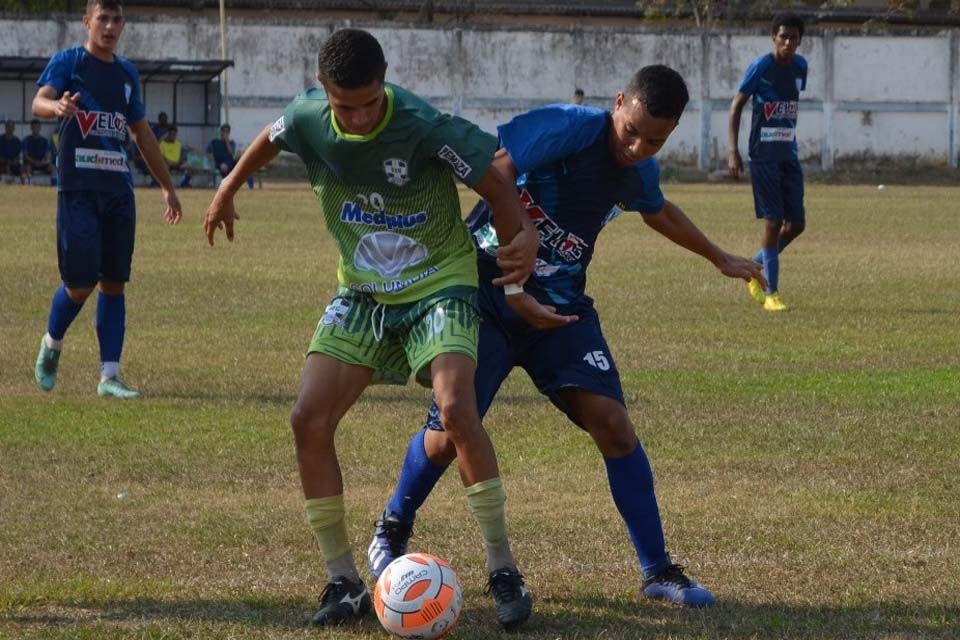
(892, 95)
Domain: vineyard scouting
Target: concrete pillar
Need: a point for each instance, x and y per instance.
(706, 105)
(826, 141)
(954, 106)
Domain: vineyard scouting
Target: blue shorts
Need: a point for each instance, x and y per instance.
(778, 190)
(95, 233)
(575, 355)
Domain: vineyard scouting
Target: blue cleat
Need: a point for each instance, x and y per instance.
(389, 542)
(673, 585)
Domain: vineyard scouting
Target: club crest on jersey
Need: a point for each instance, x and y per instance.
(102, 123)
(336, 313)
(396, 171)
(781, 110)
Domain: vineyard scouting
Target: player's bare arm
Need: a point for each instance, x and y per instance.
(150, 150)
(734, 160)
(513, 226)
(221, 212)
(516, 253)
(47, 105)
(673, 224)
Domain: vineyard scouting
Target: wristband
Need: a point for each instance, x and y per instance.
(512, 289)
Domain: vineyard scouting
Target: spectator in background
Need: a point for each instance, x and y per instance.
(54, 146)
(223, 154)
(36, 155)
(10, 148)
(578, 96)
(173, 152)
(161, 126)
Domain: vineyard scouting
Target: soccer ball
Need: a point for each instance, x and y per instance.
(418, 596)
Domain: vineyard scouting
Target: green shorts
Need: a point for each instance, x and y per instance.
(395, 339)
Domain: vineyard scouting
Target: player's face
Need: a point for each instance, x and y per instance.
(35, 129)
(785, 43)
(104, 27)
(358, 111)
(637, 135)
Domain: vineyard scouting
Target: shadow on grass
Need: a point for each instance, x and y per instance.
(554, 618)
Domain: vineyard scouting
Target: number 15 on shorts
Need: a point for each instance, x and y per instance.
(597, 359)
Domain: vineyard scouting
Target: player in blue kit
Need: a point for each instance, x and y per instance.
(577, 168)
(96, 96)
(774, 81)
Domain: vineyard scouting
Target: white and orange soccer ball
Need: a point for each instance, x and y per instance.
(418, 596)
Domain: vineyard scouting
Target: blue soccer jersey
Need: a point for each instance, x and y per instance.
(92, 154)
(775, 91)
(571, 189)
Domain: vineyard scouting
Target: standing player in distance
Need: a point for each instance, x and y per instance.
(382, 163)
(775, 81)
(96, 96)
(578, 169)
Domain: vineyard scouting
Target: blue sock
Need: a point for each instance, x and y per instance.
(758, 258)
(417, 479)
(771, 268)
(62, 312)
(111, 325)
(631, 483)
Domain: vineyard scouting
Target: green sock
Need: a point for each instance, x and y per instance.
(325, 517)
(486, 502)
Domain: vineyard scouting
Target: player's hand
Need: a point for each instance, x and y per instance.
(220, 215)
(735, 164)
(538, 316)
(66, 106)
(518, 258)
(744, 268)
(174, 209)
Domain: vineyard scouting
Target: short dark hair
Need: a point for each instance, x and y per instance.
(162, 114)
(661, 89)
(578, 91)
(224, 127)
(350, 59)
(109, 5)
(34, 121)
(786, 19)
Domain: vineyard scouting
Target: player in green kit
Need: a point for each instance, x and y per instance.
(382, 163)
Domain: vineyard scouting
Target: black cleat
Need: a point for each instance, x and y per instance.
(513, 602)
(389, 542)
(342, 600)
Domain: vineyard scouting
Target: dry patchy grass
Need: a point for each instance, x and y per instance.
(807, 463)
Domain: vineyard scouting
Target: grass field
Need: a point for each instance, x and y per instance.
(807, 464)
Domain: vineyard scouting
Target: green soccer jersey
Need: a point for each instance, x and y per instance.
(389, 197)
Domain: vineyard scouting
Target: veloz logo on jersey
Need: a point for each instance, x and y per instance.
(102, 123)
(461, 168)
(396, 171)
(780, 110)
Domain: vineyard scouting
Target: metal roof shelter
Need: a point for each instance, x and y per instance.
(197, 77)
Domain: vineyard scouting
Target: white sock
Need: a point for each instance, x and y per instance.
(50, 343)
(109, 370)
